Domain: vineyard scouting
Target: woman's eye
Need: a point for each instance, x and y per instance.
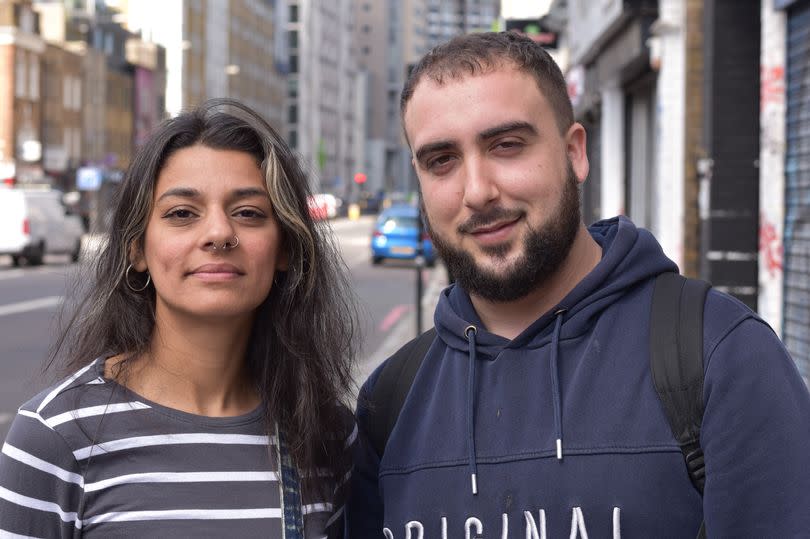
(179, 213)
(249, 213)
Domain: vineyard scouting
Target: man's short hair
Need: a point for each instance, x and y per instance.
(475, 54)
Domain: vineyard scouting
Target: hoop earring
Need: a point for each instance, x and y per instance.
(129, 285)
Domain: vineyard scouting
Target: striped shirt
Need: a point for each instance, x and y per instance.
(89, 458)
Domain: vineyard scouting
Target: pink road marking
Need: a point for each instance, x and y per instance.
(393, 316)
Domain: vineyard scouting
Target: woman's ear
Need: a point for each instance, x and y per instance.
(283, 260)
(136, 257)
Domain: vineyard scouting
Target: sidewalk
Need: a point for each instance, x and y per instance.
(405, 329)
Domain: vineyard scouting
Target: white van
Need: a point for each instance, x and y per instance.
(34, 222)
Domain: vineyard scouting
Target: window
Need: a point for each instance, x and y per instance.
(33, 76)
(292, 88)
(19, 73)
(293, 13)
(366, 50)
(366, 29)
(293, 139)
(294, 63)
(67, 91)
(293, 39)
(292, 116)
(77, 93)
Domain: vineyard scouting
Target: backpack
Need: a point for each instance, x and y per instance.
(676, 363)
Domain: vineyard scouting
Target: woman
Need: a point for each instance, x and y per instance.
(222, 323)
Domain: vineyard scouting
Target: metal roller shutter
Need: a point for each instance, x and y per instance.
(797, 190)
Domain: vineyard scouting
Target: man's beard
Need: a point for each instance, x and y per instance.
(544, 250)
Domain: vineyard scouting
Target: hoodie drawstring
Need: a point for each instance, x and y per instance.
(470, 332)
(555, 385)
(556, 398)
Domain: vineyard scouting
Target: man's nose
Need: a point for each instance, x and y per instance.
(480, 185)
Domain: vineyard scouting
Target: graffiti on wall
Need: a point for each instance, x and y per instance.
(772, 107)
(771, 249)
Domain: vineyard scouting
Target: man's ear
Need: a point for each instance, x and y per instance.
(576, 150)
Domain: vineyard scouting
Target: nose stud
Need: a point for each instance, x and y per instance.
(227, 245)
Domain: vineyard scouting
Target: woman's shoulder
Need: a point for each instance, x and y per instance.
(55, 399)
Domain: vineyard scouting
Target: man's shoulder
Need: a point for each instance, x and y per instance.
(722, 314)
(403, 353)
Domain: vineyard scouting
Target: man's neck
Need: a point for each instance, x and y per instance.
(509, 319)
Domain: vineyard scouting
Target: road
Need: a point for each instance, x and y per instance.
(30, 299)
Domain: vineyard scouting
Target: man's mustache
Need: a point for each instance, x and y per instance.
(484, 219)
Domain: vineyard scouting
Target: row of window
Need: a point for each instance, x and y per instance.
(26, 74)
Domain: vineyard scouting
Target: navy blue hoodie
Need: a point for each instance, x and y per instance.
(485, 415)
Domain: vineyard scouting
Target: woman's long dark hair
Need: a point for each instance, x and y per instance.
(302, 343)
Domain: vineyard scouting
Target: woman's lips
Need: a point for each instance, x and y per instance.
(217, 272)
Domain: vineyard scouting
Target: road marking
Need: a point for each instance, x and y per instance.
(22, 272)
(363, 241)
(30, 305)
(393, 317)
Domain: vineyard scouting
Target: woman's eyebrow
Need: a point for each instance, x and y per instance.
(236, 194)
(182, 192)
(248, 192)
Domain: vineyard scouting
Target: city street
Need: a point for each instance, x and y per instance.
(30, 298)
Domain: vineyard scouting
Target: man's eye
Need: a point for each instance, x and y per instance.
(508, 145)
(440, 161)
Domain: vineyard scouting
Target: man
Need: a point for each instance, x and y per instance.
(534, 413)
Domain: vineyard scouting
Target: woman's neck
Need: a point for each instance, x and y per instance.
(196, 367)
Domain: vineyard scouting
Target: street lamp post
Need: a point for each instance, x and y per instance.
(420, 263)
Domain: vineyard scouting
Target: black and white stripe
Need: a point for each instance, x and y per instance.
(88, 458)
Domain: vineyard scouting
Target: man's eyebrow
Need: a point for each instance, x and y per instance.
(433, 147)
(510, 127)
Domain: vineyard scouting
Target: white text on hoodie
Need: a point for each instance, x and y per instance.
(474, 528)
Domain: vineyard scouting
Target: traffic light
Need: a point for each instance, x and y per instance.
(360, 178)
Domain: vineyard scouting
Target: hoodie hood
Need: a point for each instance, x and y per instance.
(629, 256)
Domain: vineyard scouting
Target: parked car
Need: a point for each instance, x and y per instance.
(323, 206)
(34, 222)
(396, 235)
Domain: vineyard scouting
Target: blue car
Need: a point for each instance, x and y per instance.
(395, 236)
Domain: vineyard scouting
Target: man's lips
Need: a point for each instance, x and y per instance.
(491, 228)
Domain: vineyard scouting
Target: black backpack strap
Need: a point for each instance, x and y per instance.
(676, 361)
(392, 387)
